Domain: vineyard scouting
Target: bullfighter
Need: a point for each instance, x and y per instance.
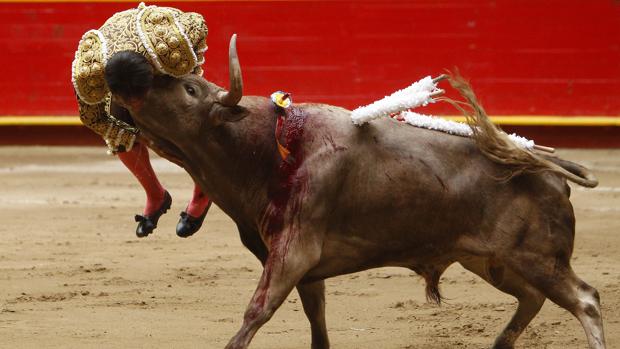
(174, 44)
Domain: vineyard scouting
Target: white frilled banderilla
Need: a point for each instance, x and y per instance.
(399, 104)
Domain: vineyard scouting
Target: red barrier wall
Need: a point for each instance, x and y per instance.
(527, 57)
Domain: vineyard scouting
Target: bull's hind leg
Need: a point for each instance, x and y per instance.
(561, 285)
(530, 300)
(313, 299)
(543, 259)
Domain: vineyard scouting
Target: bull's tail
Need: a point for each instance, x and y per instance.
(496, 145)
(575, 169)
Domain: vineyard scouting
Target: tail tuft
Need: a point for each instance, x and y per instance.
(497, 146)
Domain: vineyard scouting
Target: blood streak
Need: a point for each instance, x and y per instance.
(287, 189)
(286, 192)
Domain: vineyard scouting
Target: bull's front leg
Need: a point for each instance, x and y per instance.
(284, 268)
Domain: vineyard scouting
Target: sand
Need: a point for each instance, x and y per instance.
(73, 274)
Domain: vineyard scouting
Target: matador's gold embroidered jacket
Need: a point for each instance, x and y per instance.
(174, 42)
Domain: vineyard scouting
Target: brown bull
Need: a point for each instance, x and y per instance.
(351, 198)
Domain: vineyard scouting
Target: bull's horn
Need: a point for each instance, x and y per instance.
(232, 97)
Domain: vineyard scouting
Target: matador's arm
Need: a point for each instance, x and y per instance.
(118, 135)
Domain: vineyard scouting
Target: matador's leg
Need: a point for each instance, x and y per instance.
(195, 213)
(158, 200)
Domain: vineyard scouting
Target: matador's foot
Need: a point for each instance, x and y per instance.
(189, 225)
(148, 223)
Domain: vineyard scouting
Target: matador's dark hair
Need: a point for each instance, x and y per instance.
(128, 74)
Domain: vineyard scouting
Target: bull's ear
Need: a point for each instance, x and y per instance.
(221, 114)
(129, 77)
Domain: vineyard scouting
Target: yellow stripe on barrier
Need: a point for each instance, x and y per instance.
(541, 120)
(40, 121)
(516, 120)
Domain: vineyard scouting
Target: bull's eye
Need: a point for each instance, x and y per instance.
(190, 90)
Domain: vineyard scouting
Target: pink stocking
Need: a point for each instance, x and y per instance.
(198, 204)
(137, 161)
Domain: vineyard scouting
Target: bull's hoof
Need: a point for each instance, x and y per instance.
(503, 346)
(189, 225)
(146, 224)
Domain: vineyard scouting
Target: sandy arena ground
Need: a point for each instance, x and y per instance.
(73, 274)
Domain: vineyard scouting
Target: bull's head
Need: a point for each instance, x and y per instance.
(171, 108)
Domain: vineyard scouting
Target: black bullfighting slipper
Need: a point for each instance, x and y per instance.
(189, 225)
(146, 224)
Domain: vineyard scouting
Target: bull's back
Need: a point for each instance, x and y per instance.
(391, 184)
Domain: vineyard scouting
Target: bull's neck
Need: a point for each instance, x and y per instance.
(237, 161)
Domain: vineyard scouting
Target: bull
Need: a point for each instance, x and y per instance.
(350, 198)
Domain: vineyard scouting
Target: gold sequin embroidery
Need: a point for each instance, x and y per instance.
(88, 68)
(165, 41)
(123, 31)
